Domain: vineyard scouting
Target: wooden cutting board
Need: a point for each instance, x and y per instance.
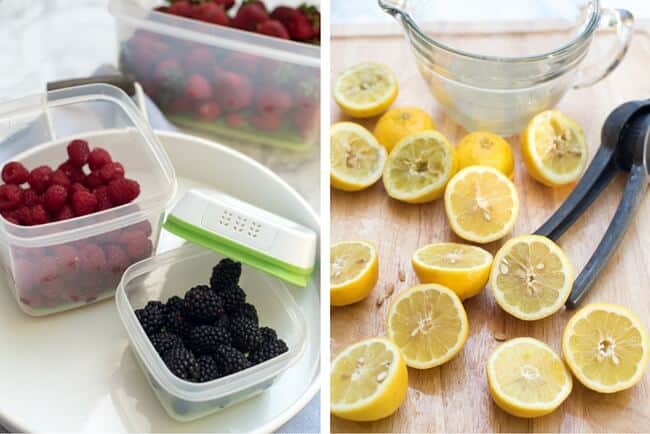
(454, 397)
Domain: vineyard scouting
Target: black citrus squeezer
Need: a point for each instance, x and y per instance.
(625, 139)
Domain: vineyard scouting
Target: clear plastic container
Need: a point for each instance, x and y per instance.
(66, 264)
(163, 52)
(173, 273)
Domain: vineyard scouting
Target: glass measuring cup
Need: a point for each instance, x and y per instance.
(490, 80)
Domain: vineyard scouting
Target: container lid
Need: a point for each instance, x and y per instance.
(246, 233)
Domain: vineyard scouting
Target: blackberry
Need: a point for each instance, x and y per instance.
(230, 360)
(245, 310)
(152, 317)
(225, 275)
(182, 363)
(205, 339)
(208, 369)
(175, 303)
(268, 350)
(233, 297)
(165, 341)
(176, 323)
(268, 334)
(246, 336)
(222, 320)
(202, 305)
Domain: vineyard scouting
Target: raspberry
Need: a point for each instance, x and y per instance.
(11, 197)
(55, 197)
(143, 226)
(117, 259)
(76, 174)
(67, 258)
(24, 215)
(77, 186)
(93, 259)
(39, 215)
(31, 198)
(84, 203)
(103, 200)
(24, 274)
(139, 249)
(47, 269)
(64, 213)
(123, 190)
(39, 178)
(98, 158)
(93, 180)
(60, 178)
(78, 152)
(129, 235)
(14, 173)
(111, 171)
(10, 216)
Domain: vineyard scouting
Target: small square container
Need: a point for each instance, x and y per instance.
(172, 273)
(66, 264)
(165, 52)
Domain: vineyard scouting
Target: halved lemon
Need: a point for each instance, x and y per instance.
(356, 158)
(462, 268)
(400, 122)
(531, 277)
(354, 270)
(366, 89)
(526, 378)
(419, 167)
(428, 324)
(368, 380)
(554, 148)
(606, 346)
(482, 148)
(482, 205)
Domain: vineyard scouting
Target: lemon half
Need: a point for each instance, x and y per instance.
(354, 269)
(365, 90)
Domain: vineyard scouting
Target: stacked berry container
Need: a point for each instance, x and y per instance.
(222, 81)
(71, 245)
(167, 276)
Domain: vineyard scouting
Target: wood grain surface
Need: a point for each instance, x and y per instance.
(454, 397)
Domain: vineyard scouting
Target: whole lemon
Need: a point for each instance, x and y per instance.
(482, 148)
(400, 122)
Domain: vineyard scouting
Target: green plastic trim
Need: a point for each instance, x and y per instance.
(292, 274)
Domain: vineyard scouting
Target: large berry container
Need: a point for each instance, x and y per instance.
(266, 89)
(66, 264)
(172, 273)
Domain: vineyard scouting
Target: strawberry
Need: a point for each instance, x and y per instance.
(179, 104)
(313, 15)
(266, 121)
(242, 63)
(199, 60)
(306, 121)
(225, 4)
(249, 16)
(236, 120)
(197, 88)
(182, 8)
(296, 22)
(145, 49)
(168, 75)
(234, 91)
(211, 13)
(273, 28)
(270, 100)
(163, 9)
(208, 111)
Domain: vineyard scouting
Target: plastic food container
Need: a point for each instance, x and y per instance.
(165, 52)
(172, 273)
(62, 265)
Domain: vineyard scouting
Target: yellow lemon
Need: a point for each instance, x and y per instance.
(482, 148)
(400, 122)
(607, 347)
(554, 149)
(419, 167)
(428, 324)
(368, 380)
(482, 205)
(356, 158)
(531, 277)
(460, 267)
(354, 270)
(365, 90)
(526, 378)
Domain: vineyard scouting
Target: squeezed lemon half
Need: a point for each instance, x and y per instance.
(365, 90)
(354, 270)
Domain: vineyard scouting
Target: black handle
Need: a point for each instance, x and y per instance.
(124, 82)
(632, 195)
(600, 172)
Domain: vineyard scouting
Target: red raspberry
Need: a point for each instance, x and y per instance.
(111, 171)
(24, 215)
(11, 197)
(75, 174)
(31, 198)
(143, 226)
(65, 213)
(14, 173)
(78, 152)
(77, 186)
(60, 178)
(55, 197)
(53, 291)
(11, 217)
(103, 200)
(83, 203)
(66, 257)
(139, 248)
(93, 180)
(98, 158)
(39, 215)
(93, 259)
(123, 190)
(39, 178)
(47, 269)
(24, 274)
(117, 259)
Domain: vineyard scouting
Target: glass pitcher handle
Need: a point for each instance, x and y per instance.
(392, 7)
(622, 21)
